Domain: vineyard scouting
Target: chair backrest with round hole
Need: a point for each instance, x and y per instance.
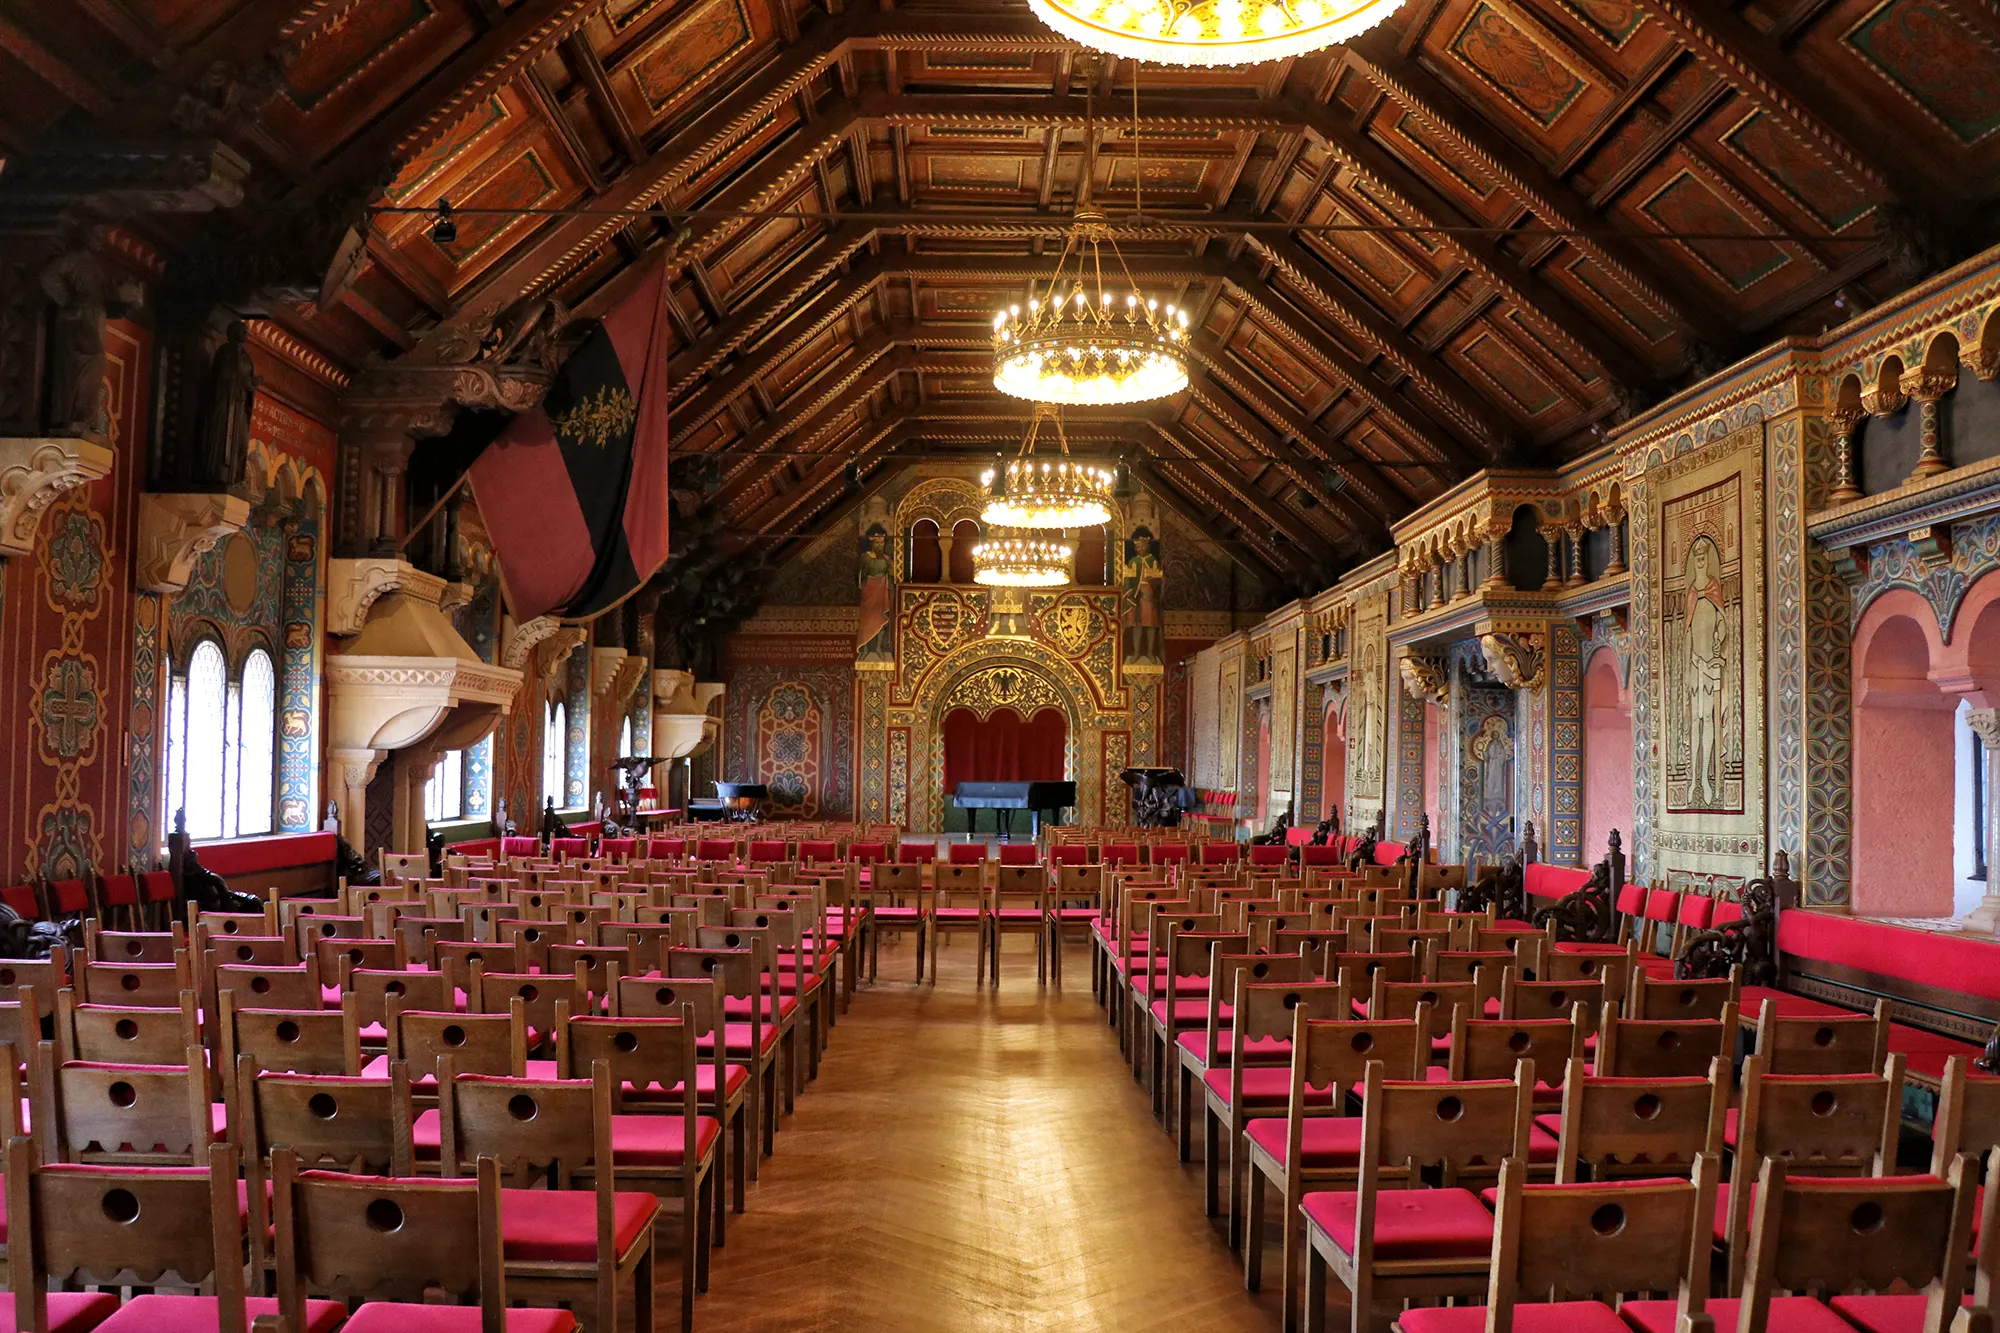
(1336, 1052)
(335, 955)
(1664, 1048)
(474, 1043)
(131, 946)
(1462, 1128)
(1844, 1121)
(360, 1125)
(1603, 1240)
(535, 1128)
(1870, 1234)
(1551, 999)
(1683, 999)
(123, 1034)
(1401, 999)
(1640, 1126)
(650, 1056)
(356, 1238)
(373, 989)
(153, 985)
(133, 1225)
(1489, 1048)
(130, 1115)
(1822, 1043)
(699, 998)
(279, 987)
(298, 1041)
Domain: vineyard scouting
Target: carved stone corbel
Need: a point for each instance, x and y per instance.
(355, 585)
(557, 648)
(1427, 678)
(604, 664)
(1517, 661)
(1851, 563)
(517, 642)
(177, 530)
(1931, 546)
(631, 672)
(33, 474)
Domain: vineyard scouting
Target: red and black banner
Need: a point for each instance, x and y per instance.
(574, 495)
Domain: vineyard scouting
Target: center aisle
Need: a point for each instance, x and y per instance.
(971, 1162)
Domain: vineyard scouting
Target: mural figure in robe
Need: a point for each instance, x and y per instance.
(1703, 671)
(1145, 577)
(875, 635)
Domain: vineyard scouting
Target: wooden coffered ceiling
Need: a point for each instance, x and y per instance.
(848, 190)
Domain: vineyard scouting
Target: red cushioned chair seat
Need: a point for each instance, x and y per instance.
(736, 1038)
(1265, 1087)
(1256, 1047)
(1788, 1004)
(1077, 913)
(967, 853)
(379, 1068)
(199, 1314)
(1883, 1314)
(1442, 1224)
(1191, 1011)
(1326, 1143)
(1556, 1317)
(69, 1311)
(1789, 1314)
(738, 1006)
(898, 914)
(734, 1077)
(1017, 854)
(1019, 914)
(560, 1226)
(957, 913)
(659, 1140)
(387, 1317)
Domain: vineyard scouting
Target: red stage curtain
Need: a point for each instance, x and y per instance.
(1003, 748)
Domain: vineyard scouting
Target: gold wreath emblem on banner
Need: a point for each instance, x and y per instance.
(599, 420)
(1070, 626)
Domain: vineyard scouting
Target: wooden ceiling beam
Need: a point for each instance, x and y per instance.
(757, 309)
(1228, 473)
(1562, 319)
(1194, 478)
(1761, 69)
(428, 111)
(1203, 517)
(589, 69)
(1376, 58)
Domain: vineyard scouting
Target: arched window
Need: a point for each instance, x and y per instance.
(259, 738)
(625, 739)
(444, 790)
(926, 555)
(555, 751)
(222, 737)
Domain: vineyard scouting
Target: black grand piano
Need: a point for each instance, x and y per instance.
(734, 801)
(1004, 798)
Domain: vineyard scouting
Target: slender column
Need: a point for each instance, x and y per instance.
(1926, 387)
(1985, 724)
(1616, 565)
(1846, 423)
(1554, 537)
(1496, 559)
(1576, 556)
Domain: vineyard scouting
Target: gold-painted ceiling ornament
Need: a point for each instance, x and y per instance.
(1211, 32)
(1047, 490)
(1006, 559)
(1077, 341)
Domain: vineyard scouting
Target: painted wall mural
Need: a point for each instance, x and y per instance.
(1486, 775)
(1368, 702)
(791, 726)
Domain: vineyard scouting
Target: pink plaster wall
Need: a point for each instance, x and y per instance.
(1607, 758)
(1904, 775)
(1433, 729)
(1333, 765)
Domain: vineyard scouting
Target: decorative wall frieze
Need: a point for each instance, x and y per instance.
(33, 474)
(128, 176)
(177, 530)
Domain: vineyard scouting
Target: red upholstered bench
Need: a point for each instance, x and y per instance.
(518, 846)
(1388, 853)
(484, 848)
(1327, 854)
(1552, 882)
(281, 866)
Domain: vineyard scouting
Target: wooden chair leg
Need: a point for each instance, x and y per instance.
(1183, 1117)
(1315, 1295)
(1237, 1149)
(1253, 1232)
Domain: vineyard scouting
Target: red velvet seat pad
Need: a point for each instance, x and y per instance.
(1883, 1314)
(560, 1226)
(389, 1317)
(379, 1068)
(1020, 914)
(1326, 1143)
(1788, 1004)
(734, 1077)
(957, 913)
(200, 1314)
(736, 1038)
(1192, 1013)
(739, 1006)
(1555, 1317)
(1077, 913)
(69, 1311)
(1257, 1048)
(1265, 1088)
(1925, 1053)
(1441, 1224)
(1789, 1314)
(659, 1140)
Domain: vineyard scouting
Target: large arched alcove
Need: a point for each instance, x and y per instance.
(1333, 757)
(1904, 768)
(1003, 746)
(1608, 757)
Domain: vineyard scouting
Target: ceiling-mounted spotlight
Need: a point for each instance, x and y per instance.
(1121, 483)
(444, 227)
(854, 476)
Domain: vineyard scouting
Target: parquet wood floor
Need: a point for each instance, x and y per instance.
(976, 1163)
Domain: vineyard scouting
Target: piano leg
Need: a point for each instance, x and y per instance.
(1003, 825)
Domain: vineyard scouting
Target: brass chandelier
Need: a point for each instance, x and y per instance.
(1047, 490)
(1021, 560)
(1078, 342)
(1211, 32)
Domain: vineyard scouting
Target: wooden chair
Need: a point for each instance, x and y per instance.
(387, 1244)
(1823, 1124)
(1899, 1313)
(577, 1238)
(1839, 1236)
(956, 904)
(148, 985)
(723, 1085)
(1623, 1126)
(1489, 1048)
(132, 946)
(1078, 898)
(331, 1122)
(1018, 903)
(546, 1000)
(737, 974)
(473, 1043)
(1822, 1043)
(1183, 982)
(778, 1012)
(1319, 1143)
(1571, 1248)
(1553, 999)
(119, 1034)
(1664, 1048)
(659, 1136)
(1405, 1128)
(895, 897)
(1210, 1047)
(1653, 998)
(125, 1115)
(107, 1227)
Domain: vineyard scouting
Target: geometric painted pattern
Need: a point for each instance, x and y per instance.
(1565, 841)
